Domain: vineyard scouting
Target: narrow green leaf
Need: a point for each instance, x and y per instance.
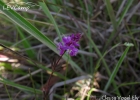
(18, 86)
(47, 12)
(129, 3)
(126, 84)
(116, 69)
(111, 13)
(31, 53)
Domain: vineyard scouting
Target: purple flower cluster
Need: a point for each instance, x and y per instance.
(70, 44)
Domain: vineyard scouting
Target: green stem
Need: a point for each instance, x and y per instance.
(7, 92)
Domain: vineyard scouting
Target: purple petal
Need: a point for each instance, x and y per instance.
(66, 39)
(76, 37)
(73, 52)
(75, 44)
(61, 52)
(61, 48)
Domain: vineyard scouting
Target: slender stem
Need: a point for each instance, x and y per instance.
(54, 66)
(7, 91)
(53, 69)
(33, 84)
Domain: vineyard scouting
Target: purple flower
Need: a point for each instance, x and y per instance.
(69, 43)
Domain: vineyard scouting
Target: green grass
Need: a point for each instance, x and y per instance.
(105, 27)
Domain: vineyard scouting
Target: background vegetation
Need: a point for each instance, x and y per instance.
(106, 63)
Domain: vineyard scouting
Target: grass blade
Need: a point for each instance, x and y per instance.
(20, 87)
(116, 69)
(111, 14)
(47, 12)
(31, 53)
(124, 12)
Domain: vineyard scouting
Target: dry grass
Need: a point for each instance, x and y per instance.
(101, 29)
